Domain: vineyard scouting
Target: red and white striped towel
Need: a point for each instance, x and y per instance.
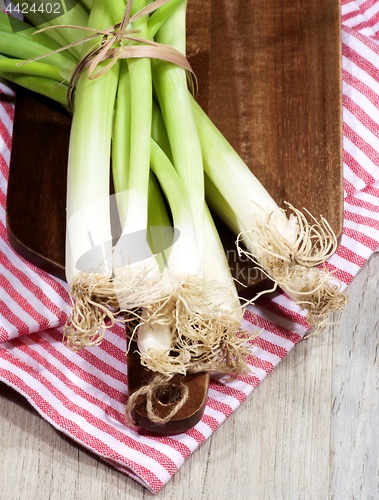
(83, 394)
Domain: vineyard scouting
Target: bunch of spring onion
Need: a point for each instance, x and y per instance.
(167, 157)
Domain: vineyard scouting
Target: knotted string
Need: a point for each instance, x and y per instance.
(106, 49)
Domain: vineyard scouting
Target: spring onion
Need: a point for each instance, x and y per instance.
(198, 325)
(136, 270)
(42, 86)
(287, 248)
(88, 212)
(11, 65)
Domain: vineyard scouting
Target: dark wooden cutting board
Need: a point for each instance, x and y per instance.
(269, 76)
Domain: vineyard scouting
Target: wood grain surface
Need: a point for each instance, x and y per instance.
(308, 432)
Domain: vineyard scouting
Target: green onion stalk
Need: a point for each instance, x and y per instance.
(198, 328)
(136, 267)
(289, 246)
(43, 86)
(89, 260)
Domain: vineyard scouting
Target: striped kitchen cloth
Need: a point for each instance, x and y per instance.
(84, 394)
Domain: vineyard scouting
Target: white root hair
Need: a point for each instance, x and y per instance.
(296, 264)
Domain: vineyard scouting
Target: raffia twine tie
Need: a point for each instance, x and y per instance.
(112, 48)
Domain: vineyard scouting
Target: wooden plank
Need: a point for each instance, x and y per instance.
(36, 196)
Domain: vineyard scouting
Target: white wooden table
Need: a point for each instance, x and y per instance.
(309, 431)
